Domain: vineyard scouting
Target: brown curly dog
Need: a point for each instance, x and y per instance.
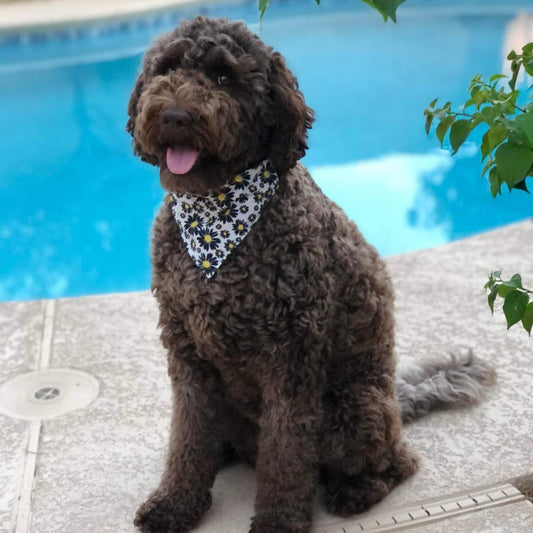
(284, 354)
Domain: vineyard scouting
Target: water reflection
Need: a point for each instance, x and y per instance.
(407, 202)
(383, 196)
(461, 199)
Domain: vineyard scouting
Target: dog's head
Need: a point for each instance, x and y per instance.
(211, 100)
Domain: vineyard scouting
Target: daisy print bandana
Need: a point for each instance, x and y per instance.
(212, 226)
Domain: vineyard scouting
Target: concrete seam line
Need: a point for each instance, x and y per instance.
(43, 356)
(45, 352)
(23, 516)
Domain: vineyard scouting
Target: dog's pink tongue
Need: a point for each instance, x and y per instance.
(181, 159)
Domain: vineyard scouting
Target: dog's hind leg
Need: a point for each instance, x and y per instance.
(347, 494)
(362, 455)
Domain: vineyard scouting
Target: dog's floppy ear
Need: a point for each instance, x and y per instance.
(133, 108)
(132, 113)
(132, 105)
(292, 118)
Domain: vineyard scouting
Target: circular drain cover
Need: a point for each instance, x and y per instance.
(47, 393)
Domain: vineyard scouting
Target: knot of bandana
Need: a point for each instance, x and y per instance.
(212, 226)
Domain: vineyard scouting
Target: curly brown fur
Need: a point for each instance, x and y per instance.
(286, 356)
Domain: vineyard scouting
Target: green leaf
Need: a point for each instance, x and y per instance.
(514, 307)
(263, 6)
(485, 149)
(490, 114)
(488, 164)
(489, 284)
(504, 290)
(515, 281)
(528, 66)
(433, 102)
(492, 138)
(514, 162)
(429, 120)
(386, 7)
(495, 181)
(491, 298)
(441, 112)
(443, 127)
(524, 125)
(496, 77)
(515, 69)
(497, 274)
(521, 185)
(527, 318)
(459, 133)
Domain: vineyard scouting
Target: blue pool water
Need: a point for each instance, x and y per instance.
(76, 206)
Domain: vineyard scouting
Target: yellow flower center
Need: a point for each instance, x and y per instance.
(194, 223)
(206, 264)
(226, 212)
(266, 174)
(238, 178)
(240, 227)
(207, 238)
(230, 245)
(221, 197)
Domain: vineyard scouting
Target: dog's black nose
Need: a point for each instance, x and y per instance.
(175, 117)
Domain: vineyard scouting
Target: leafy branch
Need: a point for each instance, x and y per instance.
(387, 8)
(507, 144)
(516, 304)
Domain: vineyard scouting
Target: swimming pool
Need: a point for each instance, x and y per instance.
(76, 206)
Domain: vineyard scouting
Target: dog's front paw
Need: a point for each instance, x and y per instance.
(172, 512)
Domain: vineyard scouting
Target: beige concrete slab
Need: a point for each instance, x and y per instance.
(95, 466)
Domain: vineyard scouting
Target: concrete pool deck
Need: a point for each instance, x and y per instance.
(43, 14)
(89, 469)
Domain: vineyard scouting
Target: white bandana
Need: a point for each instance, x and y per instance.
(212, 226)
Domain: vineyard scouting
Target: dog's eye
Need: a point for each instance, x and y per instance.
(223, 79)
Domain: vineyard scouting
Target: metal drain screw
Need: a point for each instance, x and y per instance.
(47, 393)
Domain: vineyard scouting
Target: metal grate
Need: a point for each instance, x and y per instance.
(430, 511)
(47, 393)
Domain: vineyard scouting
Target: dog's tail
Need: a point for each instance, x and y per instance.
(457, 380)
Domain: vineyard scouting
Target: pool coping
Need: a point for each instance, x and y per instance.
(49, 15)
